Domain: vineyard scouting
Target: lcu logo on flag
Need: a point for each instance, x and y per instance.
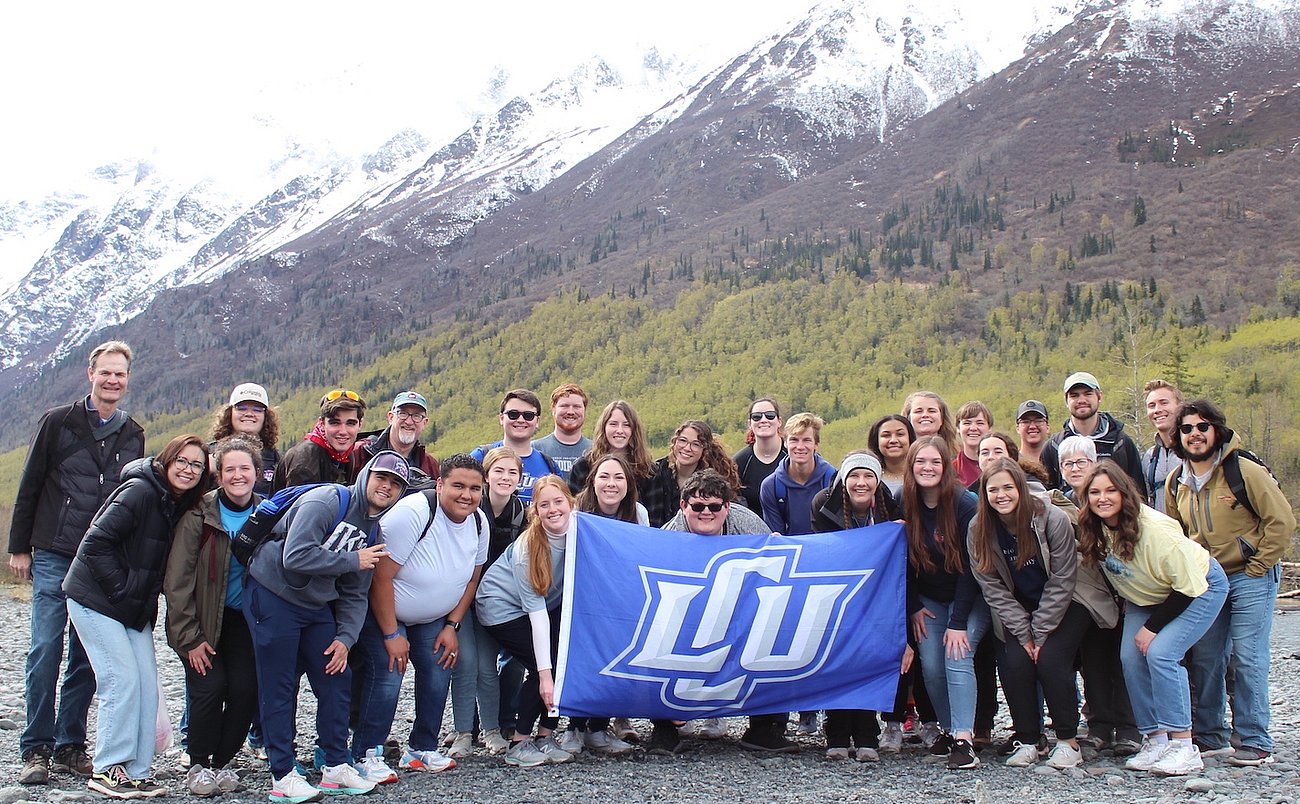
(672, 625)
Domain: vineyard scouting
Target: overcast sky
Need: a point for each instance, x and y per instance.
(85, 82)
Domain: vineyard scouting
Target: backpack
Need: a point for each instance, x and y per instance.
(259, 529)
(1232, 473)
(431, 497)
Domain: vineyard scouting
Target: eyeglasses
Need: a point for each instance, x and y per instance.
(340, 392)
(700, 507)
(1033, 421)
(685, 442)
(411, 417)
(193, 466)
(1077, 463)
(1200, 427)
(526, 415)
(761, 415)
(250, 407)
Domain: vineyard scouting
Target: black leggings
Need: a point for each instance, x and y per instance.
(1054, 671)
(516, 638)
(224, 700)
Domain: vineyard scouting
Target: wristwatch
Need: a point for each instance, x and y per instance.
(455, 624)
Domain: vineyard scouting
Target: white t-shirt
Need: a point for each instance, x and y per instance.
(434, 570)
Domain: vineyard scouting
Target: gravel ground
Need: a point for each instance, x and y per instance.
(716, 770)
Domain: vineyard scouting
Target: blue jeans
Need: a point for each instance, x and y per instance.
(1157, 682)
(380, 687)
(45, 729)
(127, 671)
(474, 679)
(951, 682)
(1242, 628)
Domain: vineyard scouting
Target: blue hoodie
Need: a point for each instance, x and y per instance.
(790, 511)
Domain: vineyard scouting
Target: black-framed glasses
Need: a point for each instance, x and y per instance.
(699, 508)
(526, 415)
(1077, 463)
(1200, 427)
(194, 466)
(684, 442)
(417, 416)
(761, 415)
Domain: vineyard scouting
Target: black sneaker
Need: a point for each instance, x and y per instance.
(36, 767)
(942, 747)
(962, 756)
(114, 783)
(72, 759)
(664, 740)
(769, 741)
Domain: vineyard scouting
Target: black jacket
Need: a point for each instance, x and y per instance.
(308, 462)
(1111, 442)
(68, 474)
(828, 508)
(118, 570)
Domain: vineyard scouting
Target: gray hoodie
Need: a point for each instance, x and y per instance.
(316, 563)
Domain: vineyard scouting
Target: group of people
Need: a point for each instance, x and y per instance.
(1154, 573)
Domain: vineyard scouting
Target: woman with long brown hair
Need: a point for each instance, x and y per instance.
(692, 447)
(618, 432)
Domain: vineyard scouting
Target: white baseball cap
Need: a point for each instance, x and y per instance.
(249, 392)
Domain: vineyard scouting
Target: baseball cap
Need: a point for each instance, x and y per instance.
(1081, 378)
(410, 398)
(391, 463)
(249, 392)
(1031, 406)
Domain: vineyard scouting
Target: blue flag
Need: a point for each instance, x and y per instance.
(664, 624)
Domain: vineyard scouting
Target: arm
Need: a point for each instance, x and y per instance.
(311, 524)
(540, 622)
(772, 513)
(183, 631)
(1002, 601)
(35, 470)
(448, 639)
(116, 521)
(1276, 520)
(383, 609)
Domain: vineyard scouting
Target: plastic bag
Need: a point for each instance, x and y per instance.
(163, 738)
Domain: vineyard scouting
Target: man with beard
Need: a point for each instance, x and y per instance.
(325, 454)
(1083, 400)
(407, 419)
(566, 443)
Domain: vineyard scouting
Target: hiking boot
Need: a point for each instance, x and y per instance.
(201, 781)
(114, 783)
(36, 767)
(293, 789)
(962, 756)
(72, 759)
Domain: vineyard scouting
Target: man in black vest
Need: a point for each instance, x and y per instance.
(72, 467)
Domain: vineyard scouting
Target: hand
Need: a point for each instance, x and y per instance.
(908, 656)
(1143, 638)
(449, 643)
(369, 556)
(1032, 650)
(547, 685)
(338, 653)
(956, 644)
(918, 623)
(198, 658)
(399, 651)
(21, 564)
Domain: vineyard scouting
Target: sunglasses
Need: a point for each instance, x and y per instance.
(758, 417)
(526, 415)
(338, 393)
(699, 507)
(1200, 427)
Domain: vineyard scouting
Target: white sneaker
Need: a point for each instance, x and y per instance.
(866, 754)
(605, 743)
(228, 781)
(430, 761)
(201, 781)
(891, 740)
(1146, 756)
(1180, 759)
(344, 780)
(837, 753)
(462, 746)
(710, 728)
(930, 733)
(554, 753)
(1023, 756)
(525, 754)
(622, 729)
(293, 789)
(373, 768)
(571, 741)
(1064, 756)
(494, 742)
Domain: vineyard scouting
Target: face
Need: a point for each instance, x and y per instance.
(406, 423)
(861, 486)
(341, 429)
(926, 416)
(1202, 441)
(519, 428)
(610, 485)
(247, 417)
(1002, 494)
(706, 522)
(893, 441)
(768, 424)
(108, 378)
(1161, 407)
(927, 468)
(503, 478)
(990, 450)
(618, 430)
(1074, 469)
(382, 490)
(570, 413)
(1032, 429)
(972, 430)
(688, 448)
(553, 508)
(1083, 401)
(459, 492)
(1105, 499)
(237, 476)
(802, 446)
(184, 471)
